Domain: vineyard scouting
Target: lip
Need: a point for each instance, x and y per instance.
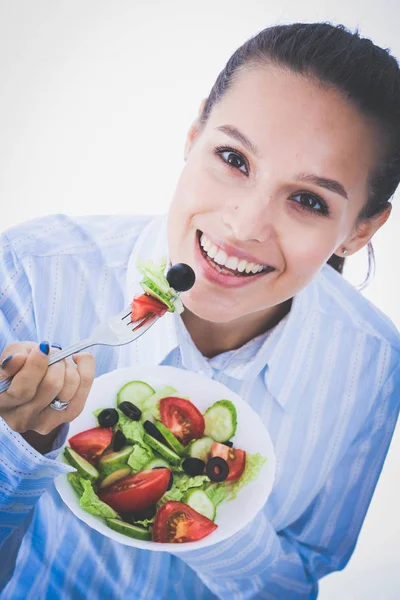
(212, 275)
(232, 251)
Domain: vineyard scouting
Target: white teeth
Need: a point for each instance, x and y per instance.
(230, 262)
(242, 265)
(221, 257)
(212, 251)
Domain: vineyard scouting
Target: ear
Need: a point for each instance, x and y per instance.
(194, 130)
(364, 232)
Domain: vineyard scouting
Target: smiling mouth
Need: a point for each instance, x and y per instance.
(228, 265)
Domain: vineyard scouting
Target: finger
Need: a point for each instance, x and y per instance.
(12, 363)
(15, 347)
(26, 381)
(25, 416)
(86, 368)
(49, 419)
(71, 382)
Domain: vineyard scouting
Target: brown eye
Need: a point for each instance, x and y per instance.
(233, 159)
(311, 202)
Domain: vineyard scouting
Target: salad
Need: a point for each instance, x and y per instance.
(160, 291)
(155, 468)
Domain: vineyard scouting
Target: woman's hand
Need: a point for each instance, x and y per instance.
(25, 405)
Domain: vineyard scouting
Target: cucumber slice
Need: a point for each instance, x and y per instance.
(151, 410)
(171, 439)
(81, 464)
(134, 531)
(221, 420)
(199, 501)
(113, 461)
(152, 290)
(170, 456)
(115, 476)
(201, 448)
(136, 392)
(155, 463)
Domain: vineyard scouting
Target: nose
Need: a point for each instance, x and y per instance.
(249, 219)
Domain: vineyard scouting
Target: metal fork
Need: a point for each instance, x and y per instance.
(116, 331)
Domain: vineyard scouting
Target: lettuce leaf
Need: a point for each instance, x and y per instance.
(148, 523)
(132, 430)
(75, 481)
(225, 492)
(90, 502)
(139, 456)
(155, 273)
(183, 483)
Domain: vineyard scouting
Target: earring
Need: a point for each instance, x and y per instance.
(344, 250)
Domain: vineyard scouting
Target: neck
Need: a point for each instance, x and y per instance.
(214, 338)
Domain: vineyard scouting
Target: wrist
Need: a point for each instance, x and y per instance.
(41, 443)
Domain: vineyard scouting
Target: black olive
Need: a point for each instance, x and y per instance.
(181, 277)
(119, 441)
(108, 417)
(152, 430)
(130, 410)
(193, 466)
(217, 469)
(228, 443)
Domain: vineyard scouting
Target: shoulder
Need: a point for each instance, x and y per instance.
(341, 302)
(60, 234)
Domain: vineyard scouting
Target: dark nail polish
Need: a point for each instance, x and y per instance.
(44, 347)
(56, 346)
(5, 361)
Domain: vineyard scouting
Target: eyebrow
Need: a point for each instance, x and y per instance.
(240, 137)
(328, 184)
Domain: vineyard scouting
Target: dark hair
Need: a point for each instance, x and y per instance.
(366, 74)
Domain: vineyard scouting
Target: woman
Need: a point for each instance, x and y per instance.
(290, 165)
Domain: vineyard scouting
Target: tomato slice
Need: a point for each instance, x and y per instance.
(136, 492)
(182, 418)
(91, 443)
(144, 305)
(177, 522)
(235, 458)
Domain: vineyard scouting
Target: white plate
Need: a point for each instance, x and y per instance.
(251, 436)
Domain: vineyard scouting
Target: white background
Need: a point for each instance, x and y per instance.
(96, 98)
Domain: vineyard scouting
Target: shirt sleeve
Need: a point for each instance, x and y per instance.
(24, 473)
(259, 562)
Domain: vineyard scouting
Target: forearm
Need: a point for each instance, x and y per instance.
(255, 563)
(24, 476)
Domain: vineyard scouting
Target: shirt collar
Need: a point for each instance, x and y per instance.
(273, 356)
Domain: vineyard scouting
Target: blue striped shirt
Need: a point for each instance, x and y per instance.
(325, 382)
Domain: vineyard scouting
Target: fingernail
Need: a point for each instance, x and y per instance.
(56, 346)
(44, 347)
(5, 361)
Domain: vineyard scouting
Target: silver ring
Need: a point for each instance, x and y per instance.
(58, 405)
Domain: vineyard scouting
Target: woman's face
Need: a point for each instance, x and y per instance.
(271, 188)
